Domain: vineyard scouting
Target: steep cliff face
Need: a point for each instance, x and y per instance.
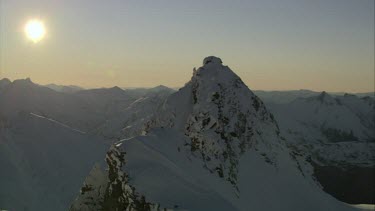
(92, 191)
(110, 190)
(222, 118)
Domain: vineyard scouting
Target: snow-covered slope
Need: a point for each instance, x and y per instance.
(335, 122)
(281, 97)
(25, 96)
(129, 119)
(49, 140)
(337, 135)
(212, 145)
(43, 162)
(85, 110)
(145, 91)
(288, 96)
(107, 97)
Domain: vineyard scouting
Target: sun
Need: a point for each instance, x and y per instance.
(35, 30)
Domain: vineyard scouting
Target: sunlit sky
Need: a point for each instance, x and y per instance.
(271, 44)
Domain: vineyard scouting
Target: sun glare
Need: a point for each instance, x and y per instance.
(35, 30)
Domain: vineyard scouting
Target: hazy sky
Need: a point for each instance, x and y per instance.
(271, 44)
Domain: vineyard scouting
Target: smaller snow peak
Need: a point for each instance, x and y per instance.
(160, 87)
(116, 88)
(212, 59)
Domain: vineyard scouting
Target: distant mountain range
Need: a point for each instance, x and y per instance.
(66, 89)
(279, 97)
(282, 97)
(210, 145)
(49, 140)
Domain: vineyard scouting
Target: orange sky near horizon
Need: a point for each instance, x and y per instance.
(317, 45)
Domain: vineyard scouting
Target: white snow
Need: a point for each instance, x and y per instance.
(365, 207)
(43, 163)
(59, 123)
(169, 177)
(303, 121)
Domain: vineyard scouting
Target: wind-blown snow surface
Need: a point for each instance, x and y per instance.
(43, 163)
(164, 175)
(212, 146)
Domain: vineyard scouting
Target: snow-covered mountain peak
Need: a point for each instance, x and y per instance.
(222, 118)
(212, 145)
(212, 59)
(160, 88)
(213, 66)
(214, 72)
(116, 89)
(322, 99)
